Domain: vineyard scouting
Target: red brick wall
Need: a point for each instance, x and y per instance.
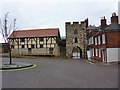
(99, 47)
(113, 39)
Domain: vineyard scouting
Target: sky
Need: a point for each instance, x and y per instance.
(41, 14)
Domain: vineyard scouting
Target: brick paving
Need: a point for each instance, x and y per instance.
(61, 73)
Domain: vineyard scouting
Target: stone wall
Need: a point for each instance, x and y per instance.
(36, 51)
(57, 50)
(3, 48)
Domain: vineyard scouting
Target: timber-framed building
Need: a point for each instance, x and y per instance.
(35, 42)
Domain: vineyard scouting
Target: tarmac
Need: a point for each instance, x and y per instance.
(60, 73)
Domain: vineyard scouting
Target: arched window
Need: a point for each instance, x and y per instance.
(75, 31)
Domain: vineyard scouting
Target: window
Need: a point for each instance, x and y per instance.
(41, 39)
(32, 46)
(103, 39)
(89, 41)
(51, 50)
(23, 46)
(75, 31)
(12, 46)
(41, 45)
(76, 40)
(99, 40)
(96, 41)
(92, 40)
(96, 51)
(93, 52)
(22, 40)
(99, 53)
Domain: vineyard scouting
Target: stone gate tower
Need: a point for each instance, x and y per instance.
(76, 39)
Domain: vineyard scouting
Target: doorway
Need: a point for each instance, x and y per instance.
(77, 52)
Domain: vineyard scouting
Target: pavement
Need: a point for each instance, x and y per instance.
(15, 66)
(61, 73)
(101, 63)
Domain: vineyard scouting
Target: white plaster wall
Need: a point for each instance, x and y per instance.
(113, 54)
(89, 54)
(119, 11)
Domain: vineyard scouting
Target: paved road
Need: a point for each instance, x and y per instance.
(61, 74)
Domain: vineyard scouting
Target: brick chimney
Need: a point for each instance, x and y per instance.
(103, 22)
(114, 18)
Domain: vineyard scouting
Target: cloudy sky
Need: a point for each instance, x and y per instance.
(38, 14)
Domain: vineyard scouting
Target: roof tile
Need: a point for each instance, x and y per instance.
(35, 33)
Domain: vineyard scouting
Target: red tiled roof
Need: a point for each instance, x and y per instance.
(35, 33)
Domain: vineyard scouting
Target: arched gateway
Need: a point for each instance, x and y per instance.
(77, 52)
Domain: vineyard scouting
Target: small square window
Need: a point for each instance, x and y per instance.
(22, 40)
(41, 45)
(32, 46)
(23, 46)
(41, 39)
(75, 31)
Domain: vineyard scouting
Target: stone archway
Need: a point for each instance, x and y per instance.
(77, 52)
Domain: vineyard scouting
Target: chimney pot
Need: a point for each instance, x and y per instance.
(114, 18)
(103, 22)
(114, 14)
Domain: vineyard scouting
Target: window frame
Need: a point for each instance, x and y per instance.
(41, 45)
(32, 46)
(96, 52)
(41, 39)
(22, 46)
(103, 39)
(96, 41)
(75, 31)
(22, 39)
(99, 42)
(99, 53)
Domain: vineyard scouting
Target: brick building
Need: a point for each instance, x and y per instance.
(91, 30)
(106, 41)
(76, 39)
(35, 42)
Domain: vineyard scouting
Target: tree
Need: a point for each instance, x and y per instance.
(5, 31)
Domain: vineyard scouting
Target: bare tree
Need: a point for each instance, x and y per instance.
(6, 29)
